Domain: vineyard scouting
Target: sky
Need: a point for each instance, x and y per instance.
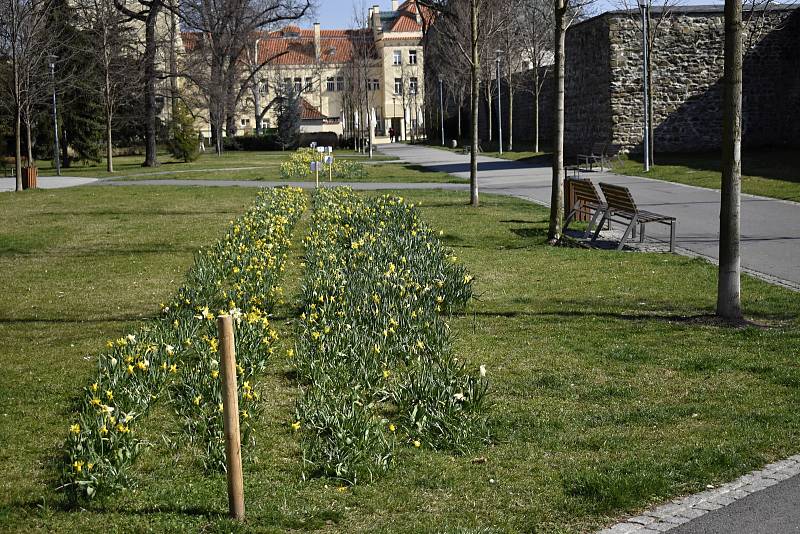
(337, 14)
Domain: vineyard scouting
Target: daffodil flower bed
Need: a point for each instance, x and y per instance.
(374, 356)
(298, 167)
(177, 353)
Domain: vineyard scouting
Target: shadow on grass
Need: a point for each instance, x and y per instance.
(773, 163)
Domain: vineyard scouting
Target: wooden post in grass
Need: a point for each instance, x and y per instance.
(230, 415)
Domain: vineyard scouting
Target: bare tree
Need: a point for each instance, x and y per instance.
(564, 12)
(536, 37)
(24, 44)
(466, 26)
(728, 289)
(111, 47)
(148, 12)
(224, 31)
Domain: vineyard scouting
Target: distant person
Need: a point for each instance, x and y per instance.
(391, 135)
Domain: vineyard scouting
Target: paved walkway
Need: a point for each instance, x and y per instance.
(47, 182)
(770, 242)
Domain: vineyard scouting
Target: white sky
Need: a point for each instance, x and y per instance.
(338, 14)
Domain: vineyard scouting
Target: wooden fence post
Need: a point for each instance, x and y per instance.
(230, 414)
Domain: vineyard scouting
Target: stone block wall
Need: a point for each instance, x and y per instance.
(603, 86)
(687, 72)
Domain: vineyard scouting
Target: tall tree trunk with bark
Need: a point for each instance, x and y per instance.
(18, 148)
(28, 143)
(150, 149)
(557, 194)
(474, 104)
(536, 92)
(510, 146)
(728, 289)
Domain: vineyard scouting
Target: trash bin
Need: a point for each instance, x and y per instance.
(453, 143)
(29, 177)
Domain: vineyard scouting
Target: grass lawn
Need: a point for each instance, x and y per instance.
(771, 173)
(610, 387)
(237, 164)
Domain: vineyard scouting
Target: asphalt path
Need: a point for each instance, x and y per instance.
(775, 510)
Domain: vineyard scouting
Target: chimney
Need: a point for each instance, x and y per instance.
(317, 41)
(395, 5)
(376, 18)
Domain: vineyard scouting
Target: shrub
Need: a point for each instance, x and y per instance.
(185, 141)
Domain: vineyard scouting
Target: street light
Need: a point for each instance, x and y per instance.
(394, 115)
(56, 151)
(441, 106)
(643, 8)
(499, 107)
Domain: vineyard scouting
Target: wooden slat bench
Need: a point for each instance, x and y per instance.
(587, 202)
(621, 205)
(595, 155)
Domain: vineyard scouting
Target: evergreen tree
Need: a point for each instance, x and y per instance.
(289, 119)
(185, 141)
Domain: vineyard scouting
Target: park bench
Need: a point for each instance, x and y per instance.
(593, 155)
(8, 166)
(587, 202)
(601, 154)
(622, 208)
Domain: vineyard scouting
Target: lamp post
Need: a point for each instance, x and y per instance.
(56, 150)
(499, 107)
(646, 138)
(441, 106)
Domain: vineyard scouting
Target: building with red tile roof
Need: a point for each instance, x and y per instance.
(348, 78)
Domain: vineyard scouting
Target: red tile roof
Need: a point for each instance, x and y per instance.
(309, 112)
(294, 46)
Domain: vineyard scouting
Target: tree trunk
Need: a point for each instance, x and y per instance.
(728, 289)
(651, 138)
(29, 146)
(536, 92)
(475, 84)
(18, 148)
(150, 157)
(510, 117)
(557, 193)
(489, 109)
(109, 146)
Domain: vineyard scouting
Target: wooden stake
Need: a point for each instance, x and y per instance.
(230, 414)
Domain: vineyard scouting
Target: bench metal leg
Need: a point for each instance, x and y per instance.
(599, 226)
(591, 223)
(571, 215)
(641, 233)
(630, 227)
(672, 236)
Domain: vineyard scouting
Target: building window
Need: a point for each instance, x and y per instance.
(412, 85)
(412, 57)
(309, 83)
(330, 84)
(298, 85)
(397, 57)
(245, 122)
(398, 86)
(287, 85)
(373, 85)
(340, 83)
(263, 88)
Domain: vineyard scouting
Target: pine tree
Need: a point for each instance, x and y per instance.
(289, 119)
(185, 140)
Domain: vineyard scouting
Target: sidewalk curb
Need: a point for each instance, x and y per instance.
(682, 510)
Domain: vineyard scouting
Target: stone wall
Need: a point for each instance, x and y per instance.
(688, 62)
(604, 103)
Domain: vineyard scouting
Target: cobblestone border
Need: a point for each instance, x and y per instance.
(682, 510)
